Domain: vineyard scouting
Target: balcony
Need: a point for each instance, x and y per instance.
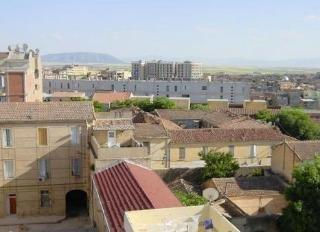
(104, 155)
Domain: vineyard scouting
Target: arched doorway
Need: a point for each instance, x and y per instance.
(76, 203)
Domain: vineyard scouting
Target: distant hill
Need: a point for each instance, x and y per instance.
(81, 58)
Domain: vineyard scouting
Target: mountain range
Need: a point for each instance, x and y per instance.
(81, 58)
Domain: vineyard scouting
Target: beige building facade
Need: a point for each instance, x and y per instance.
(44, 161)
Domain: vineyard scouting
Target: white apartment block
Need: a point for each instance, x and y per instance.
(198, 90)
(164, 70)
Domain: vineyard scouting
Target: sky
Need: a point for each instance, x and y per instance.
(199, 29)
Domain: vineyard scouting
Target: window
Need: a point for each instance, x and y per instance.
(182, 153)
(76, 167)
(147, 145)
(75, 135)
(68, 85)
(175, 88)
(7, 137)
(42, 136)
(204, 87)
(43, 165)
(253, 151)
(168, 88)
(221, 89)
(8, 168)
(45, 201)
(231, 149)
(205, 150)
(2, 83)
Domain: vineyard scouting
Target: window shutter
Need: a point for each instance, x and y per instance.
(8, 169)
(43, 168)
(42, 136)
(76, 166)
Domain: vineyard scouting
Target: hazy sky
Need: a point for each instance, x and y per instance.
(253, 29)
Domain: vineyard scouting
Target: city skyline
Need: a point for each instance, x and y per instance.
(210, 30)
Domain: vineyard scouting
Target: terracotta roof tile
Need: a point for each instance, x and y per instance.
(113, 124)
(149, 130)
(111, 96)
(248, 186)
(126, 187)
(215, 135)
(45, 111)
(307, 149)
(220, 119)
(68, 94)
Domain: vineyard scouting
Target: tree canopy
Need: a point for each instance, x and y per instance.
(190, 199)
(297, 123)
(145, 104)
(218, 164)
(303, 195)
(265, 116)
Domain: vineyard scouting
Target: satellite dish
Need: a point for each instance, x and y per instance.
(211, 194)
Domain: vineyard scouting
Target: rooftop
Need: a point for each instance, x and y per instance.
(248, 186)
(149, 130)
(221, 119)
(113, 124)
(306, 150)
(215, 135)
(68, 94)
(126, 187)
(110, 96)
(45, 111)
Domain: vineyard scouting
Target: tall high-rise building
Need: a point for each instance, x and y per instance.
(137, 70)
(166, 70)
(20, 75)
(188, 70)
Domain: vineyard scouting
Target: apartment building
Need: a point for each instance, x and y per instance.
(20, 75)
(137, 70)
(44, 161)
(166, 70)
(188, 70)
(198, 91)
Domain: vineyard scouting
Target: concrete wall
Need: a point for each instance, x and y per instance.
(284, 161)
(198, 91)
(214, 104)
(255, 105)
(124, 137)
(26, 153)
(241, 153)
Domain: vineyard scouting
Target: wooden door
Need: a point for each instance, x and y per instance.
(13, 204)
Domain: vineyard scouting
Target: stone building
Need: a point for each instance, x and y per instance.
(20, 75)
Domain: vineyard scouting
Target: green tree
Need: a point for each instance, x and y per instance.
(163, 103)
(218, 164)
(265, 116)
(145, 104)
(98, 107)
(297, 123)
(190, 199)
(198, 106)
(303, 211)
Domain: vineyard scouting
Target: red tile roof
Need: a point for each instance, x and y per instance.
(111, 96)
(214, 135)
(126, 187)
